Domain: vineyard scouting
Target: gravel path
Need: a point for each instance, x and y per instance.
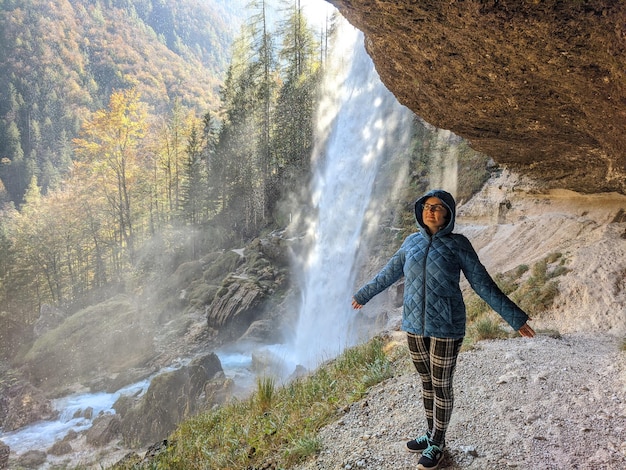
(544, 403)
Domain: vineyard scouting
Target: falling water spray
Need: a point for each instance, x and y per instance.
(359, 125)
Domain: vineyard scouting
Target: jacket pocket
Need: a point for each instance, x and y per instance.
(447, 316)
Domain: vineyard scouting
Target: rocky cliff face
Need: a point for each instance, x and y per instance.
(537, 85)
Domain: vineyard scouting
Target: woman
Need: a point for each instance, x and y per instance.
(431, 261)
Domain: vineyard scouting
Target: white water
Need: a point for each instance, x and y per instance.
(43, 434)
(71, 409)
(359, 123)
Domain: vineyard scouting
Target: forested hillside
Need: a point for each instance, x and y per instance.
(62, 59)
(121, 156)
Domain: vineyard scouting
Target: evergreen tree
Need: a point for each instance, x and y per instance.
(236, 155)
(293, 137)
(264, 76)
(194, 182)
(12, 168)
(212, 168)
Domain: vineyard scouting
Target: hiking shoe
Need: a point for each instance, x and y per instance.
(419, 444)
(431, 458)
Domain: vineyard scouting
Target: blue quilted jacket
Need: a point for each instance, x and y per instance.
(431, 265)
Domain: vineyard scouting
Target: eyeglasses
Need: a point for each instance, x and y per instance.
(433, 207)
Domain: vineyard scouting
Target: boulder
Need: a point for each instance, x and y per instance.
(235, 302)
(26, 405)
(61, 448)
(32, 459)
(171, 397)
(123, 404)
(218, 390)
(241, 299)
(84, 348)
(49, 317)
(70, 436)
(103, 430)
(127, 377)
(275, 248)
(262, 331)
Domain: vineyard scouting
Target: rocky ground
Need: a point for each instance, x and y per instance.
(546, 403)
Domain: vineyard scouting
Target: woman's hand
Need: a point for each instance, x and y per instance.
(355, 304)
(526, 331)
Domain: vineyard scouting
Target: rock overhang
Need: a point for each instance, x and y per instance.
(539, 86)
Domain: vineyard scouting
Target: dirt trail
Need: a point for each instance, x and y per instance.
(544, 403)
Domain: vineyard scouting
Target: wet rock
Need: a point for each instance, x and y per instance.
(235, 302)
(123, 404)
(262, 331)
(26, 404)
(70, 436)
(218, 389)
(32, 459)
(240, 299)
(60, 448)
(104, 429)
(127, 377)
(275, 248)
(5, 450)
(87, 413)
(171, 397)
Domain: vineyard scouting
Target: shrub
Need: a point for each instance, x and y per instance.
(475, 307)
(487, 328)
(534, 294)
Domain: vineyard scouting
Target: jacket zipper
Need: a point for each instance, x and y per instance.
(430, 242)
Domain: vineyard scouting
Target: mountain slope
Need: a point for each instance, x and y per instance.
(62, 59)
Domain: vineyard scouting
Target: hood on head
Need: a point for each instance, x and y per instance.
(447, 200)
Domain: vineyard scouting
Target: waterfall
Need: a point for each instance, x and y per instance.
(360, 124)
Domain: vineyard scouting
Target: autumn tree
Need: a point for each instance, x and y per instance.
(110, 149)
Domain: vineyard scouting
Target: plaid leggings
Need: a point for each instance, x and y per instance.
(435, 361)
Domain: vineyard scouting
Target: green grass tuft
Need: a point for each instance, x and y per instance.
(487, 328)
